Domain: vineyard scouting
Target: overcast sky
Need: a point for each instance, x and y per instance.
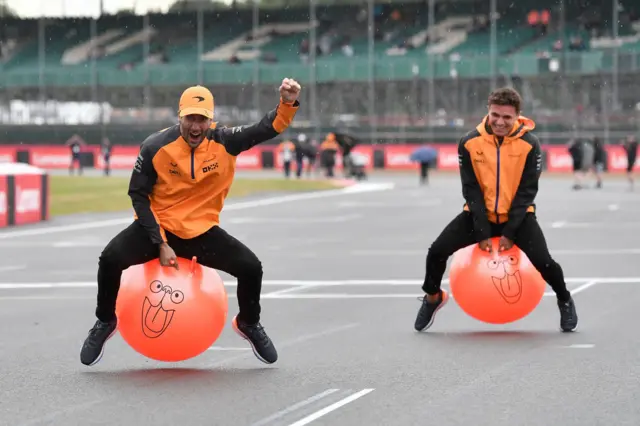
(35, 8)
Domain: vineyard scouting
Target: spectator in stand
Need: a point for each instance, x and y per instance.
(539, 20)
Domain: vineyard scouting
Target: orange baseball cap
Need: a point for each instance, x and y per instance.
(196, 100)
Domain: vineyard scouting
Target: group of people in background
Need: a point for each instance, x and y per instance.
(320, 156)
(589, 157)
(76, 144)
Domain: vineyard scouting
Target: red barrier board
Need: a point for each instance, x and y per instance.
(397, 157)
(448, 157)
(617, 159)
(122, 157)
(4, 202)
(7, 154)
(28, 199)
(49, 157)
(250, 160)
(559, 159)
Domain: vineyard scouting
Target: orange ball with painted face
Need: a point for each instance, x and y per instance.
(497, 287)
(171, 315)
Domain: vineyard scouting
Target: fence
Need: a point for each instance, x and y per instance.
(354, 69)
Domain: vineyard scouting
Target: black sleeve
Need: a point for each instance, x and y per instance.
(140, 186)
(527, 189)
(242, 138)
(473, 195)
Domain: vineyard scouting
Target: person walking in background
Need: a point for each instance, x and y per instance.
(75, 143)
(425, 156)
(287, 149)
(310, 149)
(575, 150)
(328, 151)
(105, 151)
(588, 156)
(598, 160)
(631, 149)
(299, 153)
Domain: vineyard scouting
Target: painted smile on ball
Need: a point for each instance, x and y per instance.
(156, 317)
(509, 285)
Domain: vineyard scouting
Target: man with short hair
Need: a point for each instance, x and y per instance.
(178, 187)
(500, 166)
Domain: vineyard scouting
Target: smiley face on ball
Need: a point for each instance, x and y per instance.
(158, 313)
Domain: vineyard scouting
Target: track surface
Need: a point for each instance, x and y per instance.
(348, 351)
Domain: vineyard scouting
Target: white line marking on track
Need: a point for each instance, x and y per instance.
(598, 252)
(286, 296)
(584, 286)
(295, 220)
(581, 346)
(221, 348)
(355, 189)
(332, 407)
(9, 268)
(599, 225)
(74, 244)
(60, 297)
(322, 333)
(289, 290)
(565, 252)
(341, 296)
(381, 204)
(285, 344)
(66, 228)
(295, 407)
(613, 207)
(354, 296)
(301, 284)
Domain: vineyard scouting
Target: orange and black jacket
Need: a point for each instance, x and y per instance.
(330, 143)
(182, 190)
(500, 176)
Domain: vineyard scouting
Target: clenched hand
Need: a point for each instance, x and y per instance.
(168, 256)
(289, 90)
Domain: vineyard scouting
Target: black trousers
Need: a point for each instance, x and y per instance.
(459, 234)
(215, 249)
(424, 172)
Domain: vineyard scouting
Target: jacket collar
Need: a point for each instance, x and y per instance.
(521, 126)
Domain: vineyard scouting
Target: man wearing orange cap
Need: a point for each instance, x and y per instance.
(178, 186)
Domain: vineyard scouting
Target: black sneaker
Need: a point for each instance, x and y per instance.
(427, 312)
(568, 315)
(93, 347)
(260, 343)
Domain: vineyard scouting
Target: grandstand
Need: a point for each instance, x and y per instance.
(242, 62)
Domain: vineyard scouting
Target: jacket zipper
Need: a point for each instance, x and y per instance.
(193, 171)
(497, 183)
